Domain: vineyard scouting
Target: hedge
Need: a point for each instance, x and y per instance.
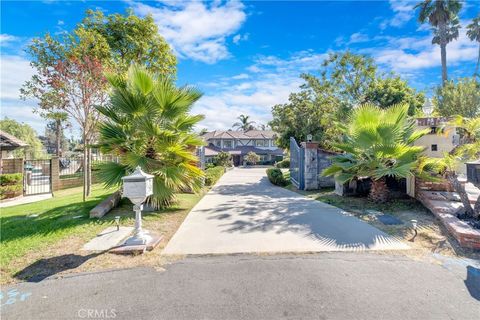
(213, 174)
(11, 185)
(285, 163)
(10, 178)
(275, 175)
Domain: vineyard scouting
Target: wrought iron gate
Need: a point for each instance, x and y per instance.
(37, 177)
(297, 158)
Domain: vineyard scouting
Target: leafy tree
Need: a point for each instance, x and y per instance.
(458, 98)
(346, 77)
(223, 159)
(148, 124)
(346, 80)
(385, 92)
(25, 133)
(252, 158)
(45, 54)
(442, 15)
(377, 144)
(473, 32)
(244, 123)
(304, 114)
(133, 39)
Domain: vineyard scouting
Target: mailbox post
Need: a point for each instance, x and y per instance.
(137, 187)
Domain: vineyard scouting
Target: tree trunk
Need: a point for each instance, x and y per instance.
(85, 164)
(460, 189)
(89, 171)
(59, 135)
(443, 53)
(379, 191)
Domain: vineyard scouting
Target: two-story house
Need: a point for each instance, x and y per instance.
(441, 139)
(240, 143)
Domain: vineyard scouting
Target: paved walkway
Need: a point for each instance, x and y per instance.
(244, 213)
(24, 200)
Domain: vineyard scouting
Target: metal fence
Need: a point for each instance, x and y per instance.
(37, 176)
(297, 158)
(71, 167)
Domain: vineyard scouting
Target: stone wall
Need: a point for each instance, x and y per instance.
(323, 163)
(12, 166)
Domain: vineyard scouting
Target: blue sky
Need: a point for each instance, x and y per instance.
(246, 56)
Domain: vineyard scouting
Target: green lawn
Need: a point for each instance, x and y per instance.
(33, 226)
(58, 227)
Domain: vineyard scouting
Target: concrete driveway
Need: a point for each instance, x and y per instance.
(244, 213)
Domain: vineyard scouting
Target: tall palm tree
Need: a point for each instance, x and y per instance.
(148, 124)
(442, 15)
(377, 144)
(473, 32)
(244, 123)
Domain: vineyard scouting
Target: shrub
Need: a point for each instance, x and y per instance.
(11, 185)
(209, 165)
(252, 158)
(10, 178)
(275, 175)
(285, 163)
(213, 174)
(223, 159)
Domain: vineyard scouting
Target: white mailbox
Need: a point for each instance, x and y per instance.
(138, 186)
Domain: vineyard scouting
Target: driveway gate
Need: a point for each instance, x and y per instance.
(297, 158)
(37, 177)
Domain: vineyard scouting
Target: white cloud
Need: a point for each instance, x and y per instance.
(197, 30)
(358, 37)
(269, 81)
(410, 53)
(6, 39)
(240, 76)
(404, 12)
(15, 70)
(238, 37)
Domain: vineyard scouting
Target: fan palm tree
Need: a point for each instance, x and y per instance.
(148, 124)
(377, 144)
(442, 15)
(244, 123)
(473, 32)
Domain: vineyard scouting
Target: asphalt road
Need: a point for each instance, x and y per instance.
(316, 286)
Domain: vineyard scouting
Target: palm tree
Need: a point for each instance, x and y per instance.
(148, 124)
(442, 15)
(377, 144)
(473, 32)
(244, 123)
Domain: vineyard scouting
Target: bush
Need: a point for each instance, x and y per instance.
(10, 178)
(275, 175)
(285, 163)
(11, 185)
(223, 159)
(209, 165)
(213, 174)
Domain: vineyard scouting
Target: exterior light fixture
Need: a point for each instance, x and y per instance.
(117, 222)
(309, 138)
(428, 107)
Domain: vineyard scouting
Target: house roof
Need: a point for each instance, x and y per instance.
(9, 142)
(431, 121)
(212, 150)
(230, 134)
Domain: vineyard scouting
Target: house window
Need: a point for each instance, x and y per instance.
(273, 144)
(434, 147)
(218, 143)
(228, 144)
(261, 143)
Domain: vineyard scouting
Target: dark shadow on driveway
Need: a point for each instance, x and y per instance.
(473, 282)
